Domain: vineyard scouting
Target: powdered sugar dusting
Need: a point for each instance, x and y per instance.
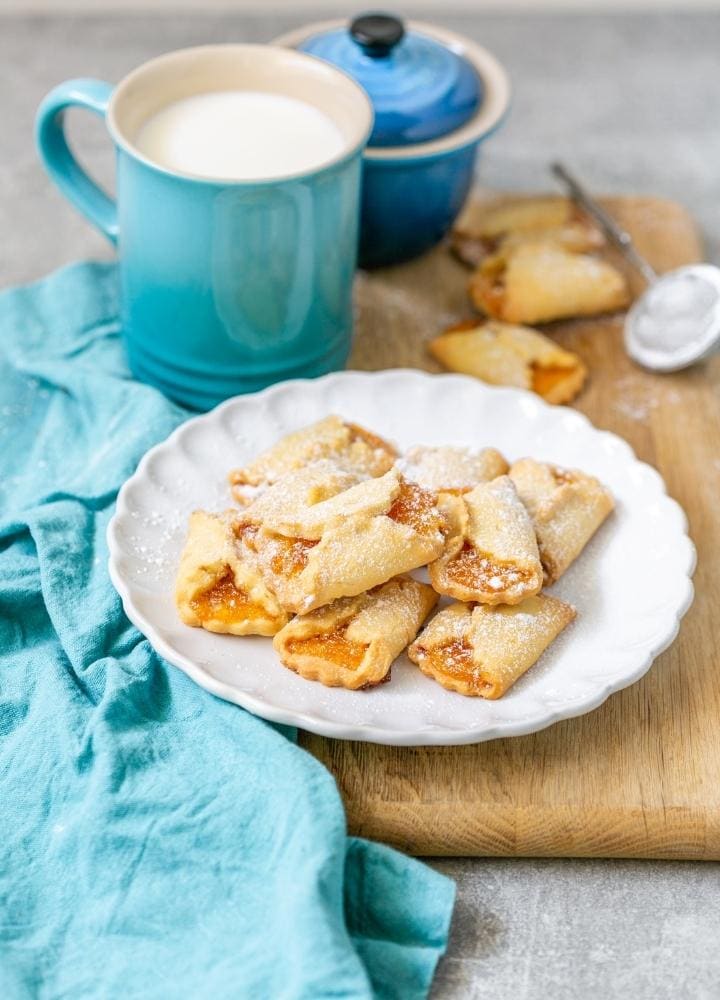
(637, 397)
(451, 469)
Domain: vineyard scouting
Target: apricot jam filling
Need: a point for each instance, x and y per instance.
(455, 659)
(416, 507)
(477, 570)
(333, 646)
(544, 380)
(224, 602)
(290, 555)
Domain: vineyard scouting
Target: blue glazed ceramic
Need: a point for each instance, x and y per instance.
(437, 96)
(419, 88)
(408, 205)
(227, 286)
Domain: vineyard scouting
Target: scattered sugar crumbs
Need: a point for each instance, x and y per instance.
(635, 397)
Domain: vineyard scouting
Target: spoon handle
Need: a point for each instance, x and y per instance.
(620, 237)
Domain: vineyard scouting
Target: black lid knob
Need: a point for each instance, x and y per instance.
(378, 34)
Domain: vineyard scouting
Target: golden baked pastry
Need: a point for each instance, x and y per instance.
(539, 282)
(503, 354)
(481, 651)
(491, 554)
(566, 506)
(299, 490)
(451, 470)
(216, 588)
(326, 535)
(344, 545)
(346, 444)
(352, 642)
(538, 220)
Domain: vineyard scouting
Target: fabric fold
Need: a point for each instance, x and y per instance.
(154, 840)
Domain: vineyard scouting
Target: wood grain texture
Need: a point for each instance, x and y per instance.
(639, 776)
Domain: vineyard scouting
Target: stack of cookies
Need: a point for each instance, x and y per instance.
(533, 261)
(330, 523)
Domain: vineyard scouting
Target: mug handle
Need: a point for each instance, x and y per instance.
(65, 171)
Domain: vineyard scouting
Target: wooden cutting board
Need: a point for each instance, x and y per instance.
(639, 776)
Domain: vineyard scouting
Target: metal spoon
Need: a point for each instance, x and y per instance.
(676, 321)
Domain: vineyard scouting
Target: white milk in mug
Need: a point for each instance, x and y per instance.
(240, 135)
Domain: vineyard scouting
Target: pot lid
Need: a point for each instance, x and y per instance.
(420, 88)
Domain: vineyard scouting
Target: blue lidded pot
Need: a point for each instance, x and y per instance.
(436, 97)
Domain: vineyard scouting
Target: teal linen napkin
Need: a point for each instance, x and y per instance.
(154, 841)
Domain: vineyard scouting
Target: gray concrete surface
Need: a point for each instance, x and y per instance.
(633, 103)
(582, 930)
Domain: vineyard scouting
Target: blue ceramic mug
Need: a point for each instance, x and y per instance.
(226, 286)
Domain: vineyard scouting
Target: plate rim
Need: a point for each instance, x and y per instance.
(425, 736)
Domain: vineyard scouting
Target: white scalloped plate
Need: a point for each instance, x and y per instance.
(631, 586)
